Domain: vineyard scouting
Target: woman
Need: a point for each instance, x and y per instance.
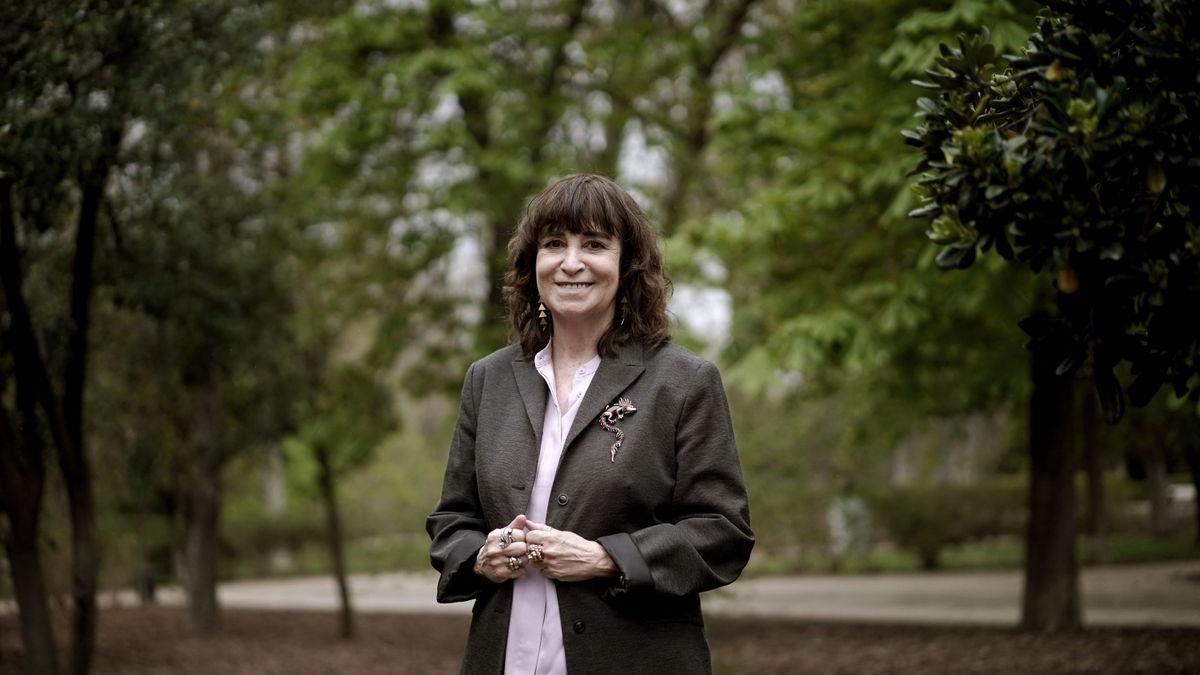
(593, 488)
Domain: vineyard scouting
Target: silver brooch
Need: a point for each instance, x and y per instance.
(609, 418)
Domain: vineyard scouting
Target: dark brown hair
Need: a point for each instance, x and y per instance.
(579, 204)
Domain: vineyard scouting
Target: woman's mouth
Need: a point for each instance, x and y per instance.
(572, 285)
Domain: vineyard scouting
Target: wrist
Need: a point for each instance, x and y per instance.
(604, 565)
(476, 565)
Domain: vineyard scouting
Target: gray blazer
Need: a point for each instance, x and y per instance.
(671, 510)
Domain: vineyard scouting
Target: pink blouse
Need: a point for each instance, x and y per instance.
(535, 645)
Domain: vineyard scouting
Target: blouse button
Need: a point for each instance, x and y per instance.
(579, 626)
(562, 500)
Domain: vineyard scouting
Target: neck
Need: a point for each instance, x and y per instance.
(578, 341)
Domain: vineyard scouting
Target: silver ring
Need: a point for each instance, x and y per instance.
(506, 537)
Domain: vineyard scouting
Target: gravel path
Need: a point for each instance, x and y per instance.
(1156, 594)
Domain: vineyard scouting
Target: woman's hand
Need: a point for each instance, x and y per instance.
(566, 556)
(493, 562)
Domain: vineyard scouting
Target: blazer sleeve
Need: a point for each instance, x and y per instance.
(709, 541)
(456, 526)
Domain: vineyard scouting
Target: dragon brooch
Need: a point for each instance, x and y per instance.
(609, 418)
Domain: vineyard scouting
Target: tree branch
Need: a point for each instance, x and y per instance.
(550, 81)
(32, 374)
(695, 139)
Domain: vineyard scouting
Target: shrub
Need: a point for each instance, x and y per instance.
(925, 519)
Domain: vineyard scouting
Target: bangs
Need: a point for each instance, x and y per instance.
(577, 205)
(588, 204)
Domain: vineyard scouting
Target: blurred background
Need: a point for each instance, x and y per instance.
(250, 249)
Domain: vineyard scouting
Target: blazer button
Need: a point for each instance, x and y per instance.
(580, 626)
(562, 500)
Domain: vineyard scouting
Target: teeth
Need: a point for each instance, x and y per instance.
(566, 285)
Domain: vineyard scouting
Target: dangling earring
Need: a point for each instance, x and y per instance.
(541, 316)
(624, 309)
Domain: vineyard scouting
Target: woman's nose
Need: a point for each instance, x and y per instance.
(573, 262)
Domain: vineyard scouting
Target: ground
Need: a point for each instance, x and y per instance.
(155, 640)
(950, 622)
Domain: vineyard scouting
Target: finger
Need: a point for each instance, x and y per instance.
(518, 523)
(508, 534)
(531, 525)
(536, 537)
(517, 549)
(508, 570)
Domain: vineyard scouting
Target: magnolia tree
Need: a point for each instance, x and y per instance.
(1077, 157)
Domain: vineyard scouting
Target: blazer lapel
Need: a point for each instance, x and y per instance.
(533, 394)
(612, 377)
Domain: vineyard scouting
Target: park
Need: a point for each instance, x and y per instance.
(941, 253)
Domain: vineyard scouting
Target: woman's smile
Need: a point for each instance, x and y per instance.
(577, 275)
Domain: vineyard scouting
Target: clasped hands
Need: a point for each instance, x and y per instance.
(564, 555)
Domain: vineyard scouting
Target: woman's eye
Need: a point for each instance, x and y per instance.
(552, 243)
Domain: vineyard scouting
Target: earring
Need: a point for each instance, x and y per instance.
(624, 309)
(542, 316)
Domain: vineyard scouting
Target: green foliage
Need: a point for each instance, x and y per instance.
(828, 287)
(301, 185)
(347, 413)
(1078, 156)
(928, 518)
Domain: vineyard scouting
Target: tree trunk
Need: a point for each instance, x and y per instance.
(1097, 518)
(21, 497)
(1051, 594)
(145, 581)
(1192, 454)
(204, 507)
(22, 468)
(275, 505)
(72, 457)
(204, 510)
(334, 532)
(1156, 481)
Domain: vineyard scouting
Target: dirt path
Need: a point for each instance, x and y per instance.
(157, 641)
(1158, 594)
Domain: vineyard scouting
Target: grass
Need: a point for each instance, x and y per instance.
(383, 553)
(996, 553)
(411, 552)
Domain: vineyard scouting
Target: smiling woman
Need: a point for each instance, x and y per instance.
(592, 489)
(577, 277)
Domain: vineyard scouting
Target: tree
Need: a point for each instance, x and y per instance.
(83, 83)
(341, 419)
(836, 324)
(1077, 159)
(59, 147)
(209, 276)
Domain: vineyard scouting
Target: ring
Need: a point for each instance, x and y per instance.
(506, 537)
(514, 564)
(535, 553)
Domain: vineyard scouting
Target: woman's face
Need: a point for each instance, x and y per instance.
(577, 276)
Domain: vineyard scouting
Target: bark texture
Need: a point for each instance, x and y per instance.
(334, 535)
(21, 487)
(1051, 596)
(204, 507)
